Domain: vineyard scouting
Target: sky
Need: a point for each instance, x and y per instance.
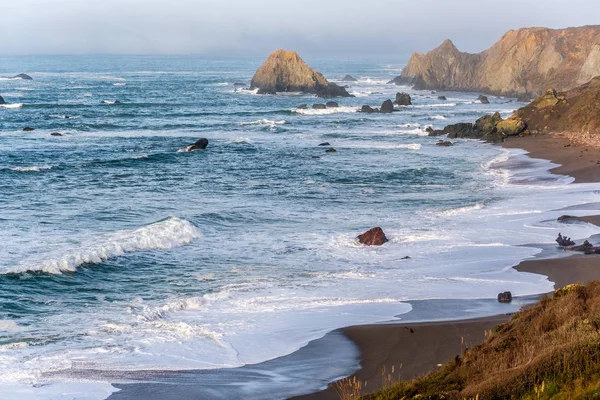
(255, 27)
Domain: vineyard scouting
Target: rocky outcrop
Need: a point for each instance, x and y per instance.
(23, 76)
(483, 99)
(319, 106)
(28, 129)
(403, 99)
(331, 104)
(491, 128)
(368, 109)
(373, 237)
(525, 61)
(575, 113)
(349, 78)
(2, 100)
(443, 98)
(564, 241)
(285, 71)
(505, 297)
(444, 143)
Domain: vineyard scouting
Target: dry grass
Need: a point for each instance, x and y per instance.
(548, 351)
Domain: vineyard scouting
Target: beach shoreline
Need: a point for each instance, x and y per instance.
(414, 349)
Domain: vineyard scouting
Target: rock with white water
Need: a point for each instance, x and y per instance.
(349, 78)
(285, 71)
(373, 237)
(330, 150)
(505, 297)
(55, 134)
(28, 129)
(483, 99)
(332, 104)
(368, 109)
(319, 106)
(201, 144)
(564, 241)
(302, 107)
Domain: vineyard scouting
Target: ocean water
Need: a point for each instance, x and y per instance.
(120, 253)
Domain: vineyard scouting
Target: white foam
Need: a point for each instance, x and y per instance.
(15, 105)
(264, 122)
(410, 146)
(438, 117)
(326, 111)
(242, 140)
(10, 326)
(462, 210)
(109, 101)
(32, 169)
(432, 105)
(166, 234)
(119, 84)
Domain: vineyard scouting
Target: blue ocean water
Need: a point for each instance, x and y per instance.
(119, 252)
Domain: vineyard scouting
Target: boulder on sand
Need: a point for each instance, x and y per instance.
(403, 99)
(199, 145)
(373, 237)
(285, 71)
(349, 78)
(387, 107)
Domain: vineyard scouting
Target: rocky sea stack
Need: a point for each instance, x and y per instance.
(522, 62)
(285, 71)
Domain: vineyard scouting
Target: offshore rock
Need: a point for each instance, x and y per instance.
(23, 76)
(285, 71)
(302, 107)
(319, 106)
(564, 241)
(2, 100)
(443, 98)
(444, 143)
(403, 99)
(387, 107)
(28, 129)
(505, 297)
(349, 78)
(201, 144)
(330, 150)
(331, 104)
(523, 62)
(368, 110)
(373, 237)
(483, 99)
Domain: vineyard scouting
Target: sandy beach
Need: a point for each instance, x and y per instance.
(416, 349)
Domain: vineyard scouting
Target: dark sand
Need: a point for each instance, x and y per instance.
(437, 342)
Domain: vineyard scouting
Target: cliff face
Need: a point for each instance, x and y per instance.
(285, 71)
(527, 61)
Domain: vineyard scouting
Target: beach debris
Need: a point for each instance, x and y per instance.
(564, 241)
(505, 297)
(403, 99)
(332, 104)
(349, 78)
(28, 129)
(373, 237)
(483, 99)
(325, 144)
(201, 144)
(330, 150)
(409, 329)
(387, 107)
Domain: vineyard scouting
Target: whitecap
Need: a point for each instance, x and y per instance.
(166, 234)
(119, 84)
(263, 122)
(326, 111)
(15, 105)
(438, 117)
(462, 210)
(34, 168)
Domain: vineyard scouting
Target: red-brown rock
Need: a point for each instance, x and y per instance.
(373, 237)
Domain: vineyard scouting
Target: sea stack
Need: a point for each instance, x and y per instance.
(285, 71)
(2, 100)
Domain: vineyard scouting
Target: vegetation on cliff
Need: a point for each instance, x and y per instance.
(550, 350)
(285, 71)
(525, 61)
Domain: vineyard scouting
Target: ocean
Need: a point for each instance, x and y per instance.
(121, 254)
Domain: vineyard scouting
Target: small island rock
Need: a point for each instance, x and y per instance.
(373, 237)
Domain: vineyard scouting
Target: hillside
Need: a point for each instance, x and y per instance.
(525, 61)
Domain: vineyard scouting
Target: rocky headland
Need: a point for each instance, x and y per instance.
(285, 71)
(523, 62)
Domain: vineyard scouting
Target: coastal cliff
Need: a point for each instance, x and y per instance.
(285, 71)
(523, 62)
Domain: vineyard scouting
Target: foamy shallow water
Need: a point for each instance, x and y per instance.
(121, 254)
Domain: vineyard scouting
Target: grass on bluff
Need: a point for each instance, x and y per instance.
(550, 350)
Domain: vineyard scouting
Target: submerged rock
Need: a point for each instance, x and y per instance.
(201, 144)
(387, 107)
(238, 84)
(483, 99)
(330, 150)
(349, 78)
(2, 100)
(443, 98)
(403, 99)
(373, 237)
(319, 106)
(433, 132)
(368, 110)
(505, 297)
(28, 129)
(55, 134)
(302, 107)
(325, 144)
(444, 143)
(23, 76)
(285, 71)
(566, 218)
(332, 104)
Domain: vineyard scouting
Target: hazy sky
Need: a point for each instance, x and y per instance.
(260, 26)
